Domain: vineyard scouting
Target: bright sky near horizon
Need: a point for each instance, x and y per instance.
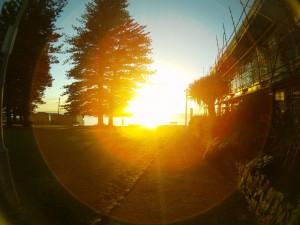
(183, 34)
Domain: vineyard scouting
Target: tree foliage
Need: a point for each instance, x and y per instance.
(110, 54)
(209, 89)
(28, 71)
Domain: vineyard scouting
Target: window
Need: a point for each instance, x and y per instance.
(279, 96)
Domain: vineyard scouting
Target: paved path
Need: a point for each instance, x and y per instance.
(178, 185)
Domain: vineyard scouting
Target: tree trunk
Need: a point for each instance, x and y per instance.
(211, 109)
(100, 121)
(26, 114)
(8, 115)
(26, 121)
(111, 121)
(14, 118)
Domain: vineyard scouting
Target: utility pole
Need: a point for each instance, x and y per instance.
(58, 111)
(11, 205)
(186, 106)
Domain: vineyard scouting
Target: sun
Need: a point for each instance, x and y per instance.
(162, 97)
(148, 108)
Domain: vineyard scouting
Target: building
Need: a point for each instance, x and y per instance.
(264, 54)
(43, 118)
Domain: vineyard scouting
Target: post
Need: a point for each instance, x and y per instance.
(186, 107)
(58, 111)
(191, 113)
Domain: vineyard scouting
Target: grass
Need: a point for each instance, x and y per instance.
(97, 166)
(54, 169)
(78, 175)
(43, 199)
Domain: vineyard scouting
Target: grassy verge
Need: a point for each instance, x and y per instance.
(43, 199)
(67, 175)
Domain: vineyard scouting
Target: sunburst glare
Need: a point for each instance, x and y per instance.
(161, 98)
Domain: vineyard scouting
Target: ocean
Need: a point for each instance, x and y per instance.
(178, 119)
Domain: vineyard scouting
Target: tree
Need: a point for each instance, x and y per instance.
(209, 89)
(28, 71)
(110, 58)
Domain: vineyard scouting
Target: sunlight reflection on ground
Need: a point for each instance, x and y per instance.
(134, 174)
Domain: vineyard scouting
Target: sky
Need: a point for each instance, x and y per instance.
(183, 34)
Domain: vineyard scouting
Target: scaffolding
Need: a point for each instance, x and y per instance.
(262, 52)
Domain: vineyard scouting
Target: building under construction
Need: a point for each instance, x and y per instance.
(264, 54)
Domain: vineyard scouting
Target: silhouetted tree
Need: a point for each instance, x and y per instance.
(28, 71)
(110, 57)
(209, 89)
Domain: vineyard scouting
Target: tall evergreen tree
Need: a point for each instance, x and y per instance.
(28, 71)
(110, 54)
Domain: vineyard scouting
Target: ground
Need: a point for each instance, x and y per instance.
(125, 175)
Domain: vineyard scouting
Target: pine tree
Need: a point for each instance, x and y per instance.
(110, 57)
(28, 71)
